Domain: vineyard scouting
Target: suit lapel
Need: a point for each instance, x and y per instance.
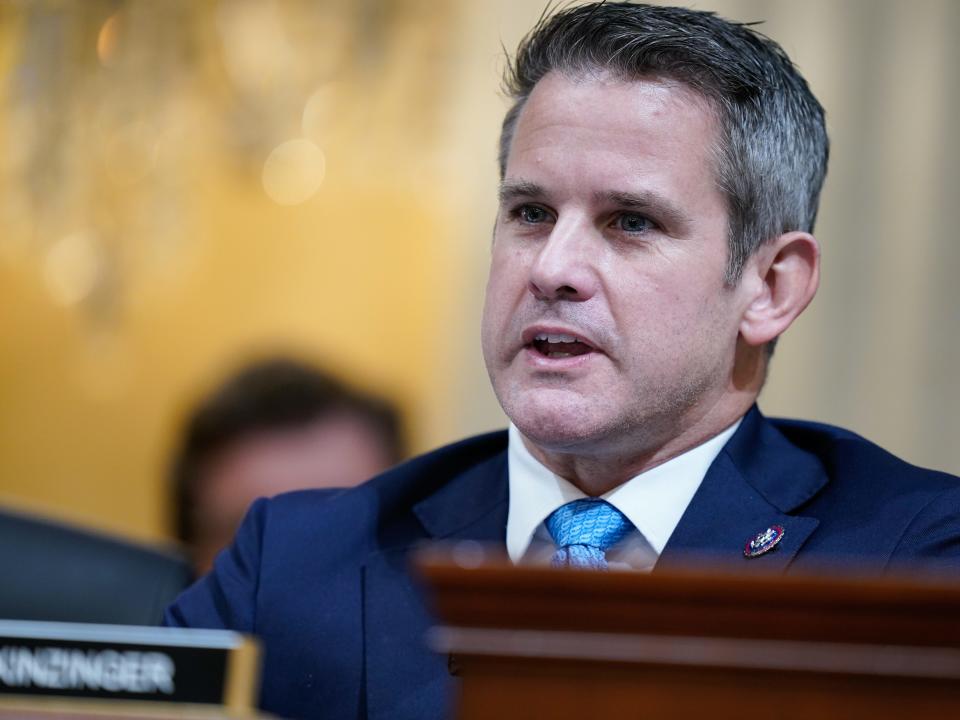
(757, 481)
(403, 678)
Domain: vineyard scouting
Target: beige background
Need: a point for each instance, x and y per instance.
(143, 250)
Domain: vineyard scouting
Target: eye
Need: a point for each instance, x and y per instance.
(532, 214)
(633, 223)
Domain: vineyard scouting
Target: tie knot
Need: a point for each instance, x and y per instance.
(584, 529)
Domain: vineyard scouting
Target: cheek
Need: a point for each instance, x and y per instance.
(497, 302)
(507, 278)
(669, 318)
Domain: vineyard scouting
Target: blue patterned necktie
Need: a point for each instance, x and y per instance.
(584, 530)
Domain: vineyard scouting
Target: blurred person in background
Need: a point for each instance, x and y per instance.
(276, 426)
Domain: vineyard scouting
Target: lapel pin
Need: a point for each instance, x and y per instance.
(764, 542)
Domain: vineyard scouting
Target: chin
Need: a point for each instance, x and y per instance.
(554, 423)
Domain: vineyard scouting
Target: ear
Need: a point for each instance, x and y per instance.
(782, 277)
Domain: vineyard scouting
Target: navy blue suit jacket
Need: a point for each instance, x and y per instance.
(322, 577)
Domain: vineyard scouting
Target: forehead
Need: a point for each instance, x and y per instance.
(608, 124)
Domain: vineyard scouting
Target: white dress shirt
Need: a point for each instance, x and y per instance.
(653, 501)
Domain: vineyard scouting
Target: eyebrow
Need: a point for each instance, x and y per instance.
(513, 189)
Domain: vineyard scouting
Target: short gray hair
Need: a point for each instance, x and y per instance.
(773, 147)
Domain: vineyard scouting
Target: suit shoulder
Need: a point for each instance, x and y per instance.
(843, 452)
(868, 501)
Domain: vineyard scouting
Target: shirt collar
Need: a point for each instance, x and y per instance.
(653, 501)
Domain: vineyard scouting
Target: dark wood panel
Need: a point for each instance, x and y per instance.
(542, 643)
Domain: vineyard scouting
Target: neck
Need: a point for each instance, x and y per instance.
(600, 472)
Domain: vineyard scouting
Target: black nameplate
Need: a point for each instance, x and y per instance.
(209, 667)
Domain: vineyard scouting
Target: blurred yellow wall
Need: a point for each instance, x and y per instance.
(157, 229)
(156, 238)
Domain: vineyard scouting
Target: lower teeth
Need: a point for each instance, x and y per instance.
(559, 354)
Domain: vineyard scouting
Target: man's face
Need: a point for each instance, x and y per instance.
(335, 451)
(607, 326)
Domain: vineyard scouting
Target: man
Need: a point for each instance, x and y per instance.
(661, 172)
(276, 425)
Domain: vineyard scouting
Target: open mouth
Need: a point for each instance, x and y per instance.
(551, 345)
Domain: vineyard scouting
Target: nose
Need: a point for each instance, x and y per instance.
(564, 268)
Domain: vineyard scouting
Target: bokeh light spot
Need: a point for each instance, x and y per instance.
(72, 267)
(107, 40)
(256, 50)
(293, 172)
